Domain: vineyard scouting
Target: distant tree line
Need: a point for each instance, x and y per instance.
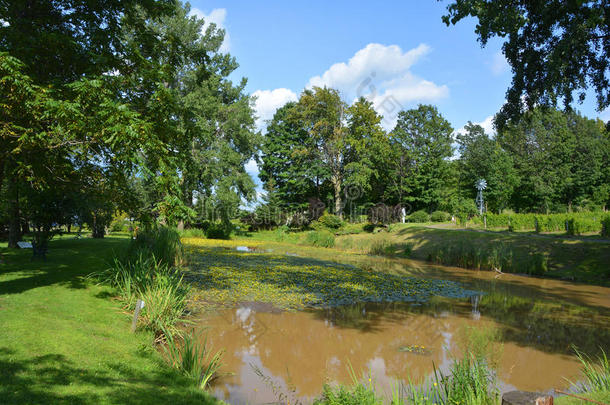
(339, 154)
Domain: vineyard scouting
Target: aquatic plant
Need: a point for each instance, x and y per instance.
(194, 359)
(227, 276)
(596, 372)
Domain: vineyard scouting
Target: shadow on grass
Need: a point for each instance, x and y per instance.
(68, 262)
(49, 378)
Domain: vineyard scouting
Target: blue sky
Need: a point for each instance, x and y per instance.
(396, 53)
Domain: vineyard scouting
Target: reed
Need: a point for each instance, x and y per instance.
(194, 359)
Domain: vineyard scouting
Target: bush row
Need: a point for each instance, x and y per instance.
(573, 223)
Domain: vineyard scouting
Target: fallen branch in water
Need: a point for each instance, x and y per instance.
(581, 398)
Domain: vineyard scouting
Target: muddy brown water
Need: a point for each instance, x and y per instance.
(275, 355)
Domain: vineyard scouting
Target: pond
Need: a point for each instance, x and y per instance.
(534, 322)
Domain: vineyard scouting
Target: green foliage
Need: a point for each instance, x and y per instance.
(421, 144)
(341, 395)
(606, 226)
(328, 221)
(321, 238)
(419, 217)
(483, 158)
(193, 233)
(162, 242)
(385, 247)
(468, 382)
(218, 230)
(536, 36)
(536, 264)
(194, 359)
(119, 222)
(157, 284)
(578, 225)
(472, 256)
(440, 216)
(595, 372)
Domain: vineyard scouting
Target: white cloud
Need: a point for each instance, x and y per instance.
(378, 61)
(381, 73)
(4, 23)
(498, 64)
(216, 16)
(605, 115)
(268, 101)
(487, 125)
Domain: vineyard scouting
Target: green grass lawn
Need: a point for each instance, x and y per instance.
(64, 340)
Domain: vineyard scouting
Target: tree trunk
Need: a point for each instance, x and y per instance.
(98, 230)
(14, 226)
(336, 180)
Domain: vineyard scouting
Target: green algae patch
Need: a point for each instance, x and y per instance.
(227, 276)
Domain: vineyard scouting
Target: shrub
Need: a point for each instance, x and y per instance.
(218, 230)
(329, 221)
(577, 225)
(321, 238)
(550, 223)
(440, 216)
(606, 227)
(368, 227)
(419, 216)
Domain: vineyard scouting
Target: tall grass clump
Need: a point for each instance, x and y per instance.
(470, 381)
(596, 372)
(160, 287)
(194, 359)
(320, 238)
(472, 256)
(163, 243)
(385, 247)
(193, 233)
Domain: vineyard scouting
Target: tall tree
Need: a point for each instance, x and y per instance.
(483, 158)
(555, 48)
(560, 158)
(422, 140)
(323, 114)
(288, 160)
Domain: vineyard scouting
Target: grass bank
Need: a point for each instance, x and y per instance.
(64, 340)
(557, 257)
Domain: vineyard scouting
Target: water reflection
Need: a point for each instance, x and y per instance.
(305, 349)
(295, 353)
